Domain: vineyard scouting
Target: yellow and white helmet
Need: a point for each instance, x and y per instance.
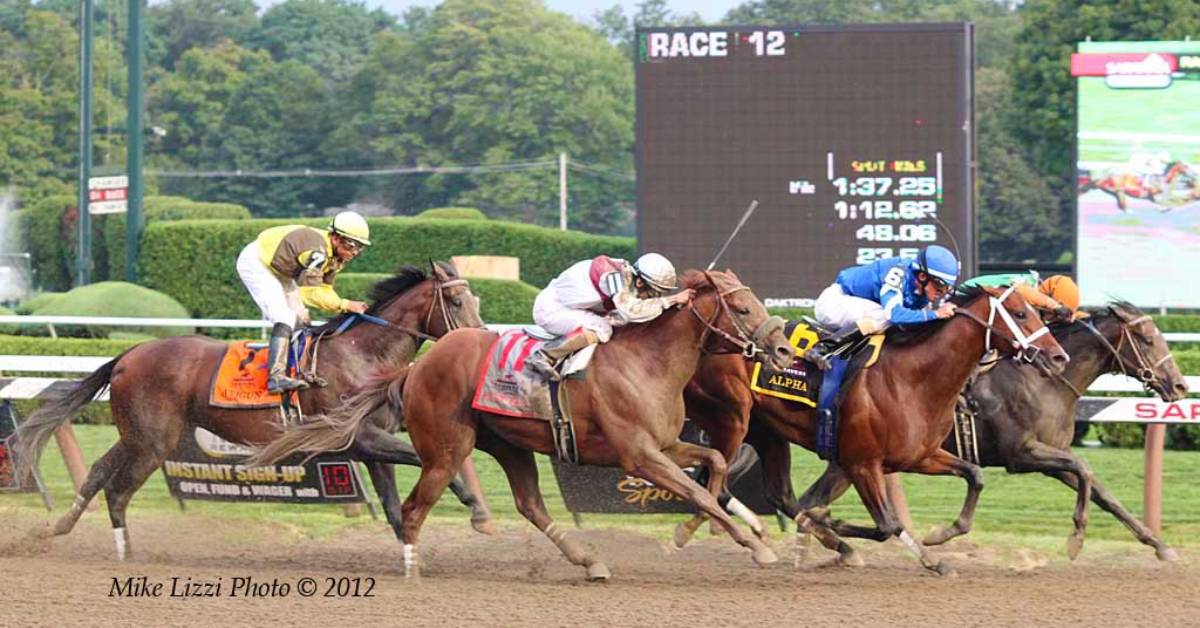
(351, 225)
(656, 270)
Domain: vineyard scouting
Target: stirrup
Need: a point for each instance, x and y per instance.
(542, 366)
(280, 384)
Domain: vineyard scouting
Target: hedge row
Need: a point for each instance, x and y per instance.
(194, 261)
(51, 234)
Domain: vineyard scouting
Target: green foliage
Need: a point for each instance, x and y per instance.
(329, 36)
(453, 213)
(156, 208)
(50, 237)
(177, 26)
(114, 298)
(27, 345)
(7, 329)
(38, 301)
(1126, 435)
(194, 261)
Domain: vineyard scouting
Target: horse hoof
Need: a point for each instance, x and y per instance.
(944, 570)
(936, 536)
(1074, 545)
(484, 526)
(1167, 554)
(682, 535)
(850, 559)
(597, 572)
(764, 556)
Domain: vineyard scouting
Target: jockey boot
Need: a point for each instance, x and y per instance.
(820, 353)
(548, 356)
(277, 378)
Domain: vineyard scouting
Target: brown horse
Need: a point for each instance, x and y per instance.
(161, 388)
(627, 411)
(894, 416)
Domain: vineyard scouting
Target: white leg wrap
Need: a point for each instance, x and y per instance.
(409, 555)
(745, 514)
(119, 538)
(911, 544)
(555, 534)
(78, 506)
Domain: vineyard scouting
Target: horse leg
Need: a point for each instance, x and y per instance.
(737, 466)
(812, 518)
(126, 480)
(374, 444)
(663, 469)
(943, 462)
(1109, 503)
(1040, 457)
(383, 478)
(97, 477)
(868, 481)
(521, 469)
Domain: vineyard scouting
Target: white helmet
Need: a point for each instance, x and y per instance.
(351, 225)
(656, 270)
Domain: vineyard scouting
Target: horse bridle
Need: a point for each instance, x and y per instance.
(448, 322)
(1145, 372)
(1027, 350)
(746, 342)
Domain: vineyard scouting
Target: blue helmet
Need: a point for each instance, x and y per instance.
(938, 261)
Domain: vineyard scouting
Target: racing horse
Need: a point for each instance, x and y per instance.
(1025, 422)
(1179, 184)
(160, 388)
(627, 412)
(894, 417)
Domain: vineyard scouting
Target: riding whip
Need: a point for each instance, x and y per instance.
(745, 217)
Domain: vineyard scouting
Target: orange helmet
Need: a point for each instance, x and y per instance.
(1061, 288)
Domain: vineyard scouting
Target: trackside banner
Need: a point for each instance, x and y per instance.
(204, 466)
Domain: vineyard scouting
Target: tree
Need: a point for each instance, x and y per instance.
(177, 26)
(492, 82)
(330, 36)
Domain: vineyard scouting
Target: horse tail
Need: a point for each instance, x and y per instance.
(35, 432)
(335, 430)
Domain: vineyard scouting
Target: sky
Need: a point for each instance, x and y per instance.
(582, 10)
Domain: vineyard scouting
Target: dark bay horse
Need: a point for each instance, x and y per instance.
(894, 417)
(1025, 422)
(627, 411)
(161, 388)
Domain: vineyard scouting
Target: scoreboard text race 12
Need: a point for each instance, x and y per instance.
(852, 139)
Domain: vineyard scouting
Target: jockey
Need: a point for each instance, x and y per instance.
(290, 267)
(585, 302)
(896, 290)
(1057, 296)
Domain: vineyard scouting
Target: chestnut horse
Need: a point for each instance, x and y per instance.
(161, 388)
(1025, 422)
(894, 416)
(627, 411)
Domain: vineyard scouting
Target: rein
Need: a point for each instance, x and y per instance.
(746, 342)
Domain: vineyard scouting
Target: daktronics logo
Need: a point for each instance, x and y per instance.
(1127, 70)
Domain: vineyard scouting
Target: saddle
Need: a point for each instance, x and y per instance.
(509, 387)
(807, 385)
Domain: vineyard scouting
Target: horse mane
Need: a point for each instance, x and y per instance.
(903, 335)
(384, 291)
(1109, 311)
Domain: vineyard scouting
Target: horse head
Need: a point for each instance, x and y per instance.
(736, 319)
(1005, 314)
(433, 303)
(1138, 349)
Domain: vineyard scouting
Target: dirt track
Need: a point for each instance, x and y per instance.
(518, 578)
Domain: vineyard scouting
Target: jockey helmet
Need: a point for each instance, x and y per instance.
(656, 270)
(352, 226)
(938, 261)
(1061, 288)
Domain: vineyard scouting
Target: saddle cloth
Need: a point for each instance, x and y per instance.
(801, 382)
(506, 385)
(241, 379)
